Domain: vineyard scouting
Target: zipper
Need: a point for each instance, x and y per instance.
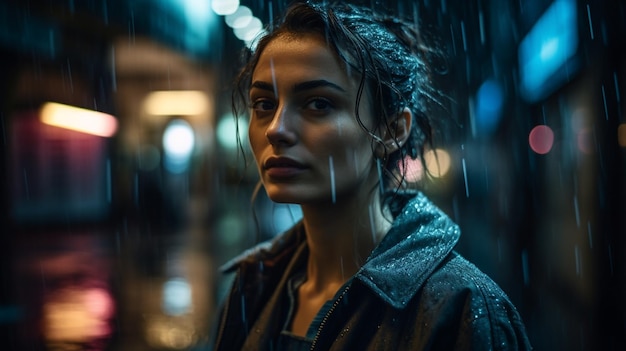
(327, 316)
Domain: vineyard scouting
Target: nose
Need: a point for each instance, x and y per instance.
(281, 130)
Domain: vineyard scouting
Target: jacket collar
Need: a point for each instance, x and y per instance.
(421, 237)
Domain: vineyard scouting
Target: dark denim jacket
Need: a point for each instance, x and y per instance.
(413, 293)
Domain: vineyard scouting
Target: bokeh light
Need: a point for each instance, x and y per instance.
(224, 7)
(621, 135)
(178, 144)
(239, 18)
(541, 139)
(584, 139)
(249, 31)
(548, 47)
(77, 314)
(227, 132)
(176, 103)
(78, 119)
(411, 169)
(176, 296)
(489, 102)
(437, 162)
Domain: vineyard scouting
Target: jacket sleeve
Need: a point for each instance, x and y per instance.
(493, 323)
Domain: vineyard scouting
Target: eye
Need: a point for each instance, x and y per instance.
(263, 105)
(319, 104)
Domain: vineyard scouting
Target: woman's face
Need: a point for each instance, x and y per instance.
(307, 143)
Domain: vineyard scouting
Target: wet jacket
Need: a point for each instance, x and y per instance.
(413, 293)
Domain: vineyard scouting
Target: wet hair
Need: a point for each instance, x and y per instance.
(388, 55)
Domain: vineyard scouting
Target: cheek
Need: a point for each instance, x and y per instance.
(257, 140)
(353, 149)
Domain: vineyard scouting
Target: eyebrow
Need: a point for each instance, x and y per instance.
(299, 87)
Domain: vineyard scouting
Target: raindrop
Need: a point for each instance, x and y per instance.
(342, 271)
(379, 167)
(273, 77)
(463, 36)
(271, 14)
(294, 217)
(465, 177)
(51, 39)
(243, 312)
(590, 23)
(616, 85)
(525, 267)
(131, 28)
(69, 73)
(589, 234)
(577, 255)
(416, 14)
(26, 187)
(372, 224)
(481, 22)
(576, 211)
(136, 189)
(606, 111)
(332, 177)
(467, 69)
(113, 74)
(109, 187)
(105, 12)
(452, 37)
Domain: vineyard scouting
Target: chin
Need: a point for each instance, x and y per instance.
(284, 198)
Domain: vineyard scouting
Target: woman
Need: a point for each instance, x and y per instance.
(338, 98)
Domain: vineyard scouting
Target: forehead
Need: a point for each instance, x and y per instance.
(301, 55)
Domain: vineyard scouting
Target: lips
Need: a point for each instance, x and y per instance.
(281, 162)
(283, 167)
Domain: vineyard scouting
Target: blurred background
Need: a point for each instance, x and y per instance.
(123, 189)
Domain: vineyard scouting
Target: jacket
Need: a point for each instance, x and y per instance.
(413, 293)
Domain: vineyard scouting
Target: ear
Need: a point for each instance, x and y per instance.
(398, 131)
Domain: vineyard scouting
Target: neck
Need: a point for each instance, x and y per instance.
(340, 237)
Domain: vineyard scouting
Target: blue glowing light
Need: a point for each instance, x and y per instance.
(199, 20)
(489, 102)
(546, 55)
